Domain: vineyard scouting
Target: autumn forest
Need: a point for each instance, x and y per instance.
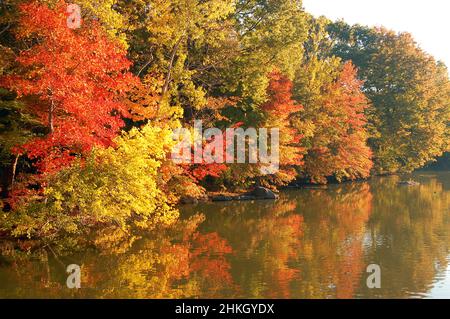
(87, 112)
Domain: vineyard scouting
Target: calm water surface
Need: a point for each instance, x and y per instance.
(311, 243)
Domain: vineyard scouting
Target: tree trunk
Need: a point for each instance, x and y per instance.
(8, 174)
(50, 116)
(4, 182)
(13, 171)
(169, 72)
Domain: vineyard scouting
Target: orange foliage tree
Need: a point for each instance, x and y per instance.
(279, 110)
(339, 146)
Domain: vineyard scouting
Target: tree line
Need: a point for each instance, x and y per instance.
(87, 114)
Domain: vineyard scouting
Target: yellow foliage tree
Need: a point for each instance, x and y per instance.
(114, 186)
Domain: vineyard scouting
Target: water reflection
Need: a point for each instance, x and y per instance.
(309, 244)
(409, 234)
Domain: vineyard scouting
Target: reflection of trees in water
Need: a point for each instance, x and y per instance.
(178, 263)
(308, 244)
(409, 234)
(161, 268)
(265, 237)
(269, 252)
(21, 274)
(332, 248)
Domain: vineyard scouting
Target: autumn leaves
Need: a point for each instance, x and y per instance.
(90, 111)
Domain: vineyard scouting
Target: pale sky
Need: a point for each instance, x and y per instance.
(427, 20)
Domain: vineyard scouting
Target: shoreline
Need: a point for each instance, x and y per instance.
(246, 195)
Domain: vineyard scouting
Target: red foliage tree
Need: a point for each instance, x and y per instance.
(77, 80)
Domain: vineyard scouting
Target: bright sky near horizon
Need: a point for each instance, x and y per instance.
(428, 21)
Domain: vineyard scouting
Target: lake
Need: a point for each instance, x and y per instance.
(311, 243)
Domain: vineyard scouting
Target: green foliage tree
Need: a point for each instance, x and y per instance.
(409, 91)
(271, 36)
(179, 41)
